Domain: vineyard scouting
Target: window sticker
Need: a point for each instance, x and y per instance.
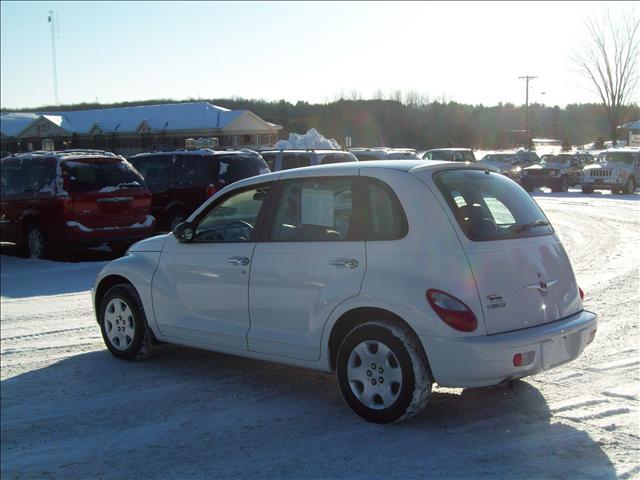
(317, 207)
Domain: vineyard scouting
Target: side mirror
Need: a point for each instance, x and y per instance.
(184, 232)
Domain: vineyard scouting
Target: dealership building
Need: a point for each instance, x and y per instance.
(130, 130)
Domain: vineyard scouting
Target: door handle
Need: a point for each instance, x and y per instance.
(345, 263)
(238, 260)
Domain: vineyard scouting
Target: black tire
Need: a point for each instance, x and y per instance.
(527, 187)
(119, 249)
(630, 187)
(35, 243)
(140, 342)
(587, 189)
(175, 217)
(410, 397)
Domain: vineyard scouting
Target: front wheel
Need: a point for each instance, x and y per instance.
(36, 244)
(123, 323)
(561, 186)
(630, 187)
(383, 373)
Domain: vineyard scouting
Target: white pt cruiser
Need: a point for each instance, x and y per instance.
(393, 274)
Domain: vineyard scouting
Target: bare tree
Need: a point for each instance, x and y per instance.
(609, 59)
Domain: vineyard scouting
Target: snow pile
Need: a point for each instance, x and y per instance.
(311, 139)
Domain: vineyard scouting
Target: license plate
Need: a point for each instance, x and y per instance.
(560, 349)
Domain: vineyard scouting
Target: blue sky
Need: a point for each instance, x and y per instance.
(468, 52)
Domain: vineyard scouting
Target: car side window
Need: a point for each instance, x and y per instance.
(469, 157)
(39, 174)
(190, 170)
(157, 171)
(233, 219)
(295, 160)
(270, 159)
(314, 210)
(388, 220)
(11, 177)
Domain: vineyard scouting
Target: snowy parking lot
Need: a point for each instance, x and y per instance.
(71, 410)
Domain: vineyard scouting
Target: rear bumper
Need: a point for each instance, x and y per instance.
(488, 360)
(75, 233)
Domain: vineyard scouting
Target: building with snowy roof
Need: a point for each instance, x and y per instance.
(633, 130)
(130, 130)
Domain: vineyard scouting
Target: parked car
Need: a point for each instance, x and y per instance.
(393, 275)
(558, 172)
(617, 170)
(278, 160)
(180, 181)
(450, 155)
(72, 198)
(511, 164)
(384, 153)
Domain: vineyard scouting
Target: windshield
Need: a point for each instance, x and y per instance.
(499, 158)
(489, 206)
(556, 159)
(617, 157)
(102, 176)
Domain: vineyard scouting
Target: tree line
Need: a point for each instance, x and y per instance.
(409, 121)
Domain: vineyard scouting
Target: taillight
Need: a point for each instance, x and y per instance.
(65, 204)
(452, 311)
(211, 190)
(581, 292)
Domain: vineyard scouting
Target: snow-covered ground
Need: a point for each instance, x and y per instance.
(71, 410)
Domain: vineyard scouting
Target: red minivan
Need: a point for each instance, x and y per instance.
(72, 198)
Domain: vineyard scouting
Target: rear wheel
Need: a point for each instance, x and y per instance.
(36, 244)
(383, 372)
(123, 322)
(176, 217)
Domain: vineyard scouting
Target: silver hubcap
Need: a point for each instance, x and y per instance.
(374, 374)
(118, 323)
(35, 243)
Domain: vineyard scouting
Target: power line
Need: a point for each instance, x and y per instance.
(526, 78)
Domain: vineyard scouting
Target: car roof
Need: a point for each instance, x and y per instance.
(625, 149)
(353, 168)
(296, 150)
(65, 155)
(449, 150)
(202, 152)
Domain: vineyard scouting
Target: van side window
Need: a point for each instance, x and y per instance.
(388, 221)
(39, 175)
(314, 210)
(11, 177)
(294, 160)
(156, 170)
(191, 170)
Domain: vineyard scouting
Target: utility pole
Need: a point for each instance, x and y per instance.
(526, 78)
(53, 22)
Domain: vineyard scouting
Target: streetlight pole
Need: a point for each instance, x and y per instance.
(526, 78)
(53, 22)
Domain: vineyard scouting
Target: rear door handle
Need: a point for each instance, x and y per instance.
(344, 263)
(238, 260)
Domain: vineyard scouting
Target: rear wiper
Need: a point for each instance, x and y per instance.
(527, 226)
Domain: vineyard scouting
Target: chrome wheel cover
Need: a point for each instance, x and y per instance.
(119, 324)
(374, 374)
(35, 243)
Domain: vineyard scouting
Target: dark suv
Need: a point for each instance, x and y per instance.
(558, 172)
(181, 181)
(72, 198)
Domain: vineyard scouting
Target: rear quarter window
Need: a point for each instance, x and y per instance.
(11, 176)
(488, 206)
(156, 170)
(337, 158)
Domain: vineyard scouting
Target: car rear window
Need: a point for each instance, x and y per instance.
(488, 206)
(227, 169)
(295, 160)
(103, 176)
(338, 158)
